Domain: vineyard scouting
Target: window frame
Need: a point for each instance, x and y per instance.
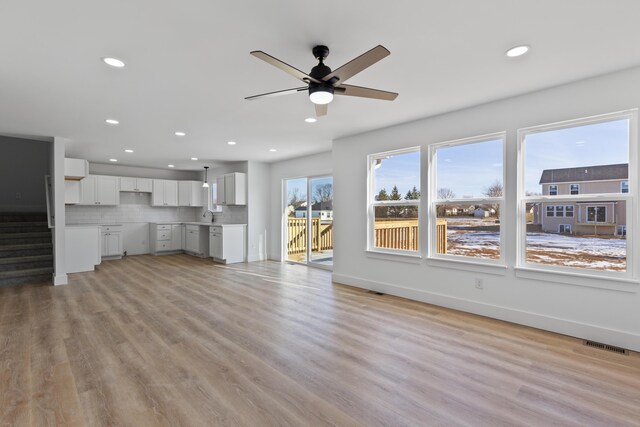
(555, 189)
(433, 201)
(622, 187)
(565, 226)
(571, 189)
(372, 203)
(562, 273)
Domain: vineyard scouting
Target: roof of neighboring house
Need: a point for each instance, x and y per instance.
(585, 173)
(318, 206)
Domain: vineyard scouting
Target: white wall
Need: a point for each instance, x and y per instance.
(258, 204)
(317, 164)
(598, 314)
(23, 166)
(58, 190)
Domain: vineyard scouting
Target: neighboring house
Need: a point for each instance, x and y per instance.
(482, 212)
(322, 210)
(602, 217)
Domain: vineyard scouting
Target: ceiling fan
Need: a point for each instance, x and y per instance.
(322, 83)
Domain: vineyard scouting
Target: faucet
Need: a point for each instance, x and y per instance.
(213, 217)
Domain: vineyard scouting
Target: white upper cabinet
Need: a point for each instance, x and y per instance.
(75, 169)
(165, 193)
(232, 189)
(99, 190)
(190, 193)
(137, 185)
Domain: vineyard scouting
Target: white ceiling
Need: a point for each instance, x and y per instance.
(189, 68)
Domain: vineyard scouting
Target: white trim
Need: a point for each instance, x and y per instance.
(397, 255)
(569, 327)
(60, 279)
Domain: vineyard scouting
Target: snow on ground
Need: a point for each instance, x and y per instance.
(545, 248)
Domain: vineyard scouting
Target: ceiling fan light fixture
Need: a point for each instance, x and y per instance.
(320, 94)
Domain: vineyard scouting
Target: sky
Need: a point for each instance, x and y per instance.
(402, 170)
(300, 184)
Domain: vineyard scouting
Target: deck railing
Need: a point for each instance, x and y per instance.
(390, 234)
(322, 235)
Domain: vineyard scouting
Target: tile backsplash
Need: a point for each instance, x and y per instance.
(230, 215)
(133, 207)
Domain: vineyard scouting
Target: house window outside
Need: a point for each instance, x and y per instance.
(624, 187)
(588, 181)
(467, 177)
(564, 228)
(596, 214)
(394, 201)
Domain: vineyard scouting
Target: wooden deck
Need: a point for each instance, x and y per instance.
(179, 341)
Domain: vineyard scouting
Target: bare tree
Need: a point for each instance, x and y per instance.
(295, 200)
(495, 190)
(446, 194)
(323, 193)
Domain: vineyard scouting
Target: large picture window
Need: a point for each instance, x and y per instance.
(467, 198)
(394, 201)
(583, 165)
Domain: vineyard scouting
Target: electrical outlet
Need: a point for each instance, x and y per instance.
(479, 283)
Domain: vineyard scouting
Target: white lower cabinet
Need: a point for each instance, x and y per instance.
(111, 241)
(177, 232)
(165, 237)
(227, 243)
(196, 240)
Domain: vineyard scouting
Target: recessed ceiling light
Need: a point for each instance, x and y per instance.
(310, 120)
(128, 151)
(273, 150)
(112, 121)
(517, 51)
(113, 160)
(180, 133)
(171, 166)
(194, 158)
(114, 62)
(231, 143)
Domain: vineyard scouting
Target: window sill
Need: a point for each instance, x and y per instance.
(619, 284)
(468, 265)
(407, 257)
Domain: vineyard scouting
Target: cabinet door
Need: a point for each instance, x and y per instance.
(104, 244)
(184, 193)
(176, 237)
(144, 185)
(157, 195)
(220, 190)
(229, 189)
(193, 241)
(127, 184)
(171, 193)
(107, 190)
(215, 245)
(197, 193)
(114, 244)
(71, 192)
(88, 190)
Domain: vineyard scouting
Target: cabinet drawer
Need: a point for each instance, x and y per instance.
(163, 227)
(164, 245)
(163, 235)
(193, 227)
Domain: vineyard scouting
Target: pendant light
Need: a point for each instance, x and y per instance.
(205, 184)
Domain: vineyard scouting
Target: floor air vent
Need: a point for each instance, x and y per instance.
(606, 347)
(376, 293)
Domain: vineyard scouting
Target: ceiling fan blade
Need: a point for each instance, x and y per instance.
(354, 66)
(321, 110)
(278, 93)
(284, 66)
(365, 92)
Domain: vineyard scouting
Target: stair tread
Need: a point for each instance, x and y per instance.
(24, 224)
(26, 234)
(25, 246)
(26, 272)
(25, 259)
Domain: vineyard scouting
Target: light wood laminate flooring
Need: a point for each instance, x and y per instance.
(179, 341)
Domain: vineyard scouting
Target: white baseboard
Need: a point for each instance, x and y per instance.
(60, 279)
(613, 337)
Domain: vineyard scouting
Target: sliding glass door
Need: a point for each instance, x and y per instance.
(309, 220)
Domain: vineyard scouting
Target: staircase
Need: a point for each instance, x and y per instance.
(26, 251)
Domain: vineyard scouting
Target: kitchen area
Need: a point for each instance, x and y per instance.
(116, 211)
